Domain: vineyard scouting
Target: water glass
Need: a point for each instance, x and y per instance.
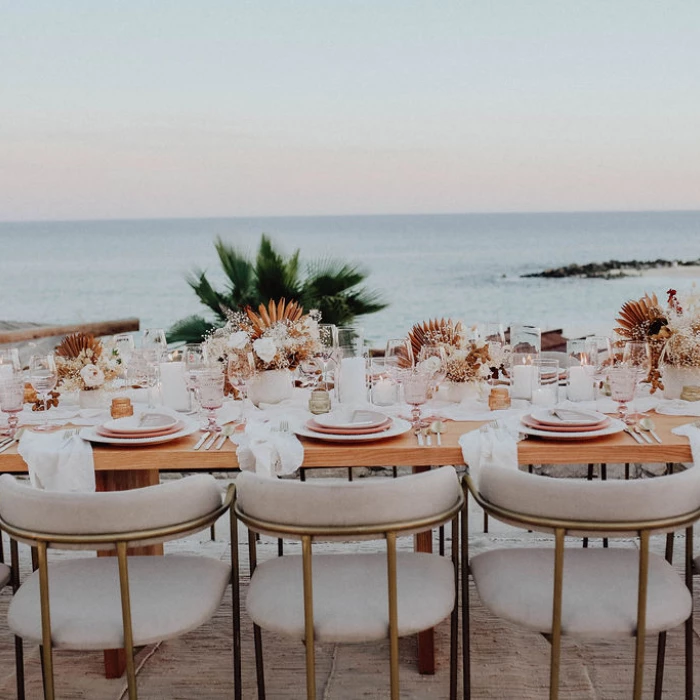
(525, 339)
(328, 347)
(43, 377)
(211, 395)
(12, 399)
(545, 387)
(399, 352)
(415, 386)
(384, 387)
(143, 371)
(240, 370)
(154, 339)
(623, 381)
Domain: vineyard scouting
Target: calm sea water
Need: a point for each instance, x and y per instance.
(464, 266)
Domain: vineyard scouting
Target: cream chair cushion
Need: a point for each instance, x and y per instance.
(170, 596)
(157, 506)
(4, 574)
(349, 594)
(599, 594)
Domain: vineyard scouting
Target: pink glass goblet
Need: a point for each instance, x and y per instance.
(623, 381)
(12, 400)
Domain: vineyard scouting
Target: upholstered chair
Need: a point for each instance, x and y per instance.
(122, 601)
(9, 576)
(323, 597)
(587, 593)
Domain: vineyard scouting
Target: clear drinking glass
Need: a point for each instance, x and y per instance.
(328, 341)
(384, 388)
(525, 339)
(193, 357)
(240, 369)
(43, 377)
(433, 360)
(124, 345)
(399, 352)
(211, 395)
(143, 371)
(154, 339)
(545, 385)
(623, 381)
(12, 399)
(637, 356)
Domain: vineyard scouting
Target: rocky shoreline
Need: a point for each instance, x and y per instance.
(612, 269)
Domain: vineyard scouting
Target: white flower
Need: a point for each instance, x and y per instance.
(430, 365)
(265, 349)
(238, 340)
(93, 376)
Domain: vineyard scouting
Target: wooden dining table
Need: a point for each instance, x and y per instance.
(119, 468)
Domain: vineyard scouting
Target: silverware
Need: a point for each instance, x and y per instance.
(438, 427)
(210, 441)
(427, 437)
(228, 429)
(644, 436)
(636, 437)
(419, 436)
(6, 445)
(648, 425)
(201, 440)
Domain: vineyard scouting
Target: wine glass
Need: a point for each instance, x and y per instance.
(432, 359)
(211, 395)
(623, 381)
(154, 339)
(241, 368)
(143, 371)
(194, 362)
(43, 377)
(328, 346)
(637, 356)
(12, 399)
(399, 352)
(415, 393)
(124, 345)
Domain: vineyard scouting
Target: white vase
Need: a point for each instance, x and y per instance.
(460, 391)
(92, 398)
(676, 378)
(271, 386)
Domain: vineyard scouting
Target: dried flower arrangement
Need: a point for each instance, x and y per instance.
(280, 335)
(467, 360)
(673, 333)
(83, 363)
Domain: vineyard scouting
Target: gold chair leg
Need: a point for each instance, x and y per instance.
(309, 618)
(257, 633)
(661, 643)
(126, 619)
(393, 615)
(46, 651)
(689, 621)
(641, 614)
(454, 616)
(466, 656)
(236, 606)
(19, 648)
(556, 614)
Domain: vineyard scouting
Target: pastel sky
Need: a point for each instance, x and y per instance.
(175, 108)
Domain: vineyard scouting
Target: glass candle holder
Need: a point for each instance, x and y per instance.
(545, 385)
(522, 374)
(525, 339)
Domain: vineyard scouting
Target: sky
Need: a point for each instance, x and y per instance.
(173, 108)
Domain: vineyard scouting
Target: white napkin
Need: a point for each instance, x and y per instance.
(493, 445)
(268, 452)
(58, 461)
(692, 432)
(679, 407)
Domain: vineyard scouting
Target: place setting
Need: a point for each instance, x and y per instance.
(355, 425)
(561, 423)
(145, 428)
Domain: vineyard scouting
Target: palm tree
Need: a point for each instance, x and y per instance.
(330, 286)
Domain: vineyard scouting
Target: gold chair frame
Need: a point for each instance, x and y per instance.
(121, 541)
(643, 529)
(14, 583)
(390, 532)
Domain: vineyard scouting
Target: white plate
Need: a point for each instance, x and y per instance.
(582, 416)
(398, 427)
(144, 422)
(92, 435)
(344, 420)
(616, 426)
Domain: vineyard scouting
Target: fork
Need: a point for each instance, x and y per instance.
(284, 426)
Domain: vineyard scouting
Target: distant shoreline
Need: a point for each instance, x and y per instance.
(615, 269)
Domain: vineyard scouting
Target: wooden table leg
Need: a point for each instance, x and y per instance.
(115, 659)
(423, 542)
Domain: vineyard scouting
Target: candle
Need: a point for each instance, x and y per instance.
(581, 383)
(383, 392)
(523, 377)
(352, 386)
(544, 395)
(173, 388)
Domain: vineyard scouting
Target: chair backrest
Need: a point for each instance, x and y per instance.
(50, 513)
(612, 501)
(361, 509)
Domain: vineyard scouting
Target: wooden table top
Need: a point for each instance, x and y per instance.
(402, 450)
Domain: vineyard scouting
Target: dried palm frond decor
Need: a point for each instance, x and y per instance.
(445, 332)
(84, 364)
(280, 335)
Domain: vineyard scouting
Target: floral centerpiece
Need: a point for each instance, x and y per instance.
(672, 332)
(280, 337)
(467, 360)
(84, 364)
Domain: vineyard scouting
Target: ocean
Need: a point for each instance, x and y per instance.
(464, 266)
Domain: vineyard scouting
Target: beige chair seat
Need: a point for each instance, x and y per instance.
(349, 593)
(4, 574)
(169, 596)
(600, 590)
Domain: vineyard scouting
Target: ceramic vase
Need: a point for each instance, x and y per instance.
(272, 386)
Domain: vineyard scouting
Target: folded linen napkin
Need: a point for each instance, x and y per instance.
(679, 407)
(59, 461)
(267, 451)
(495, 444)
(692, 432)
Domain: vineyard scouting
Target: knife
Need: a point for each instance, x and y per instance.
(201, 440)
(7, 444)
(210, 441)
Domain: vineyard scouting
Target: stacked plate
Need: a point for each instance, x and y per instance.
(142, 429)
(568, 423)
(353, 426)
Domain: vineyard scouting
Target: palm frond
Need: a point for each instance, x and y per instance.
(276, 277)
(216, 301)
(192, 329)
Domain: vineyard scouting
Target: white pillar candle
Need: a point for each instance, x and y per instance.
(581, 383)
(173, 387)
(523, 378)
(352, 386)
